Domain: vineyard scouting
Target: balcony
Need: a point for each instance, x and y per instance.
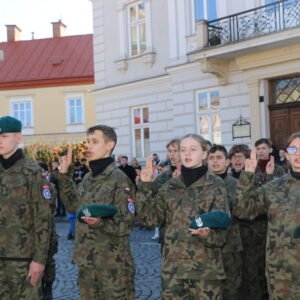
(261, 29)
(254, 23)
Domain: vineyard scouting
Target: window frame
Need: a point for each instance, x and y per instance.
(141, 126)
(136, 24)
(210, 112)
(22, 100)
(68, 98)
(205, 10)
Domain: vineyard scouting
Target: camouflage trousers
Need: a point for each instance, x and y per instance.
(175, 288)
(284, 289)
(232, 262)
(50, 268)
(99, 284)
(254, 285)
(14, 284)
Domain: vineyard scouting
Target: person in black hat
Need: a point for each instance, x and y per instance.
(25, 214)
(104, 201)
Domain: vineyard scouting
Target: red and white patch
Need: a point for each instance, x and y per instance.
(46, 191)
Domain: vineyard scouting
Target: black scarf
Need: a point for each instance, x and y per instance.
(191, 175)
(223, 175)
(235, 174)
(296, 175)
(99, 165)
(9, 162)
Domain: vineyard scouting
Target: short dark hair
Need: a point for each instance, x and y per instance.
(240, 148)
(263, 141)
(109, 133)
(124, 156)
(216, 148)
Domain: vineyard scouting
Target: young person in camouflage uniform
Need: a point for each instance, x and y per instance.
(25, 218)
(279, 199)
(101, 251)
(192, 265)
(218, 163)
(173, 170)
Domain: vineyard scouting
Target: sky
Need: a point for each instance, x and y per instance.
(36, 16)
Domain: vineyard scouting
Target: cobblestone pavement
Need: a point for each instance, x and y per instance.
(146, 255)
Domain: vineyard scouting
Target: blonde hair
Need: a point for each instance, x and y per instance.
(202, 141)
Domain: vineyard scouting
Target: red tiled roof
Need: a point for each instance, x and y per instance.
(47, 62)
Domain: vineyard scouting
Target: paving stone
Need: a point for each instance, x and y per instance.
(146, 254)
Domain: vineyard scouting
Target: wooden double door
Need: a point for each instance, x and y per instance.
(284, 120)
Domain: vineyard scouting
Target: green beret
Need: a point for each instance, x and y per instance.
(97, 210)
(10, 124)
(297, 232)
(213, 219)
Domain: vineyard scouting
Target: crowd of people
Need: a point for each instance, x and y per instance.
(228, 222)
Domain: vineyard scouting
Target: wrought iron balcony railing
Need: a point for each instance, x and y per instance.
(252, 23)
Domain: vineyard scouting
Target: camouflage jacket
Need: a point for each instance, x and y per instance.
(280, 200)
(191, 257)
(233, 241)
(107, 244)
(25, 212)
(160, 180)
(261, 177)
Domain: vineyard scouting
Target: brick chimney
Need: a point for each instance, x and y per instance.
(13, 33)
(59, 29)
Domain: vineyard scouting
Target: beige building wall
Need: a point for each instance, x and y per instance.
(49, 108)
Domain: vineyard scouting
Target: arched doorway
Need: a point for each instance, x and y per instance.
(284, 108)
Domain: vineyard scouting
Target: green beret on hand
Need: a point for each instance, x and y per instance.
(97, 210)
(10, 124)
(297, 232)
(213, 219)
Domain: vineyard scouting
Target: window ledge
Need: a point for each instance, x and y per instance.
(147, 58)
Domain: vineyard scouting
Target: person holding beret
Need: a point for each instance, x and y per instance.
(104, 201)
(25, 217)
(192, 266)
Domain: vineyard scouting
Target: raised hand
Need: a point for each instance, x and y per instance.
(65, 161)
(177, 172)
(270, 166)
(250, 164)
(147, 174)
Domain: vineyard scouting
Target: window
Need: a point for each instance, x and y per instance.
(75, 109)
(21, 109)
(141, 132)
(205, 10)
(208, 115)
(285, 90)
(137, 28)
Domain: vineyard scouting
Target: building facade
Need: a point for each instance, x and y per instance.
(167, 68)
(46, 83)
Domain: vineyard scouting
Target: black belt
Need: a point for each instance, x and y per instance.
(15, 258)
(250, 222)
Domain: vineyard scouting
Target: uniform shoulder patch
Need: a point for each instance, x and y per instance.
(131, 206)
(46, 191)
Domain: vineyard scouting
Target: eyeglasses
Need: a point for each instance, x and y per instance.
(292, 150)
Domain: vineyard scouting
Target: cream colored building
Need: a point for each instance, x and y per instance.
(46, 83)
(160, 73)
